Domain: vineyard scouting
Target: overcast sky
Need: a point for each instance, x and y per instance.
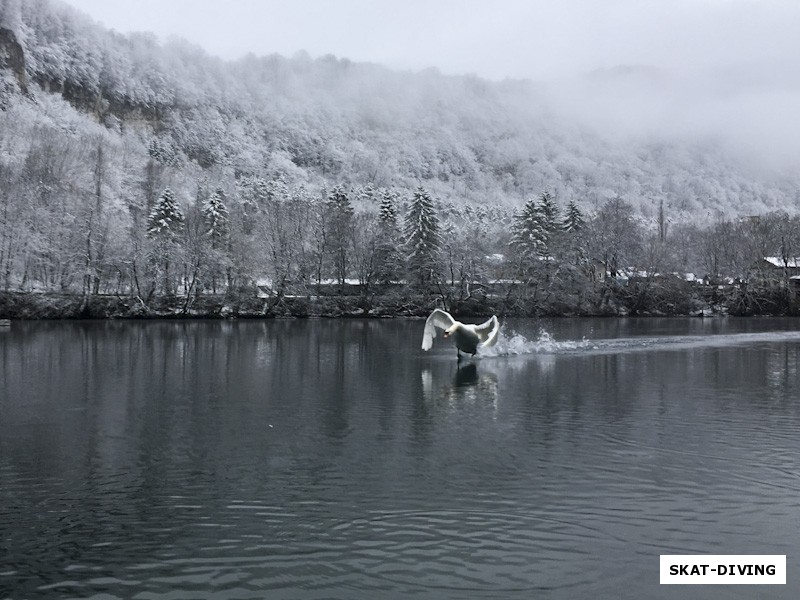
(495, 39)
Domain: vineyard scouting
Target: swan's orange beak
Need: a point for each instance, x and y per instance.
(446, 334)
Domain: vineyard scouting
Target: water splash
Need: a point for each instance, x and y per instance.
(514, 344)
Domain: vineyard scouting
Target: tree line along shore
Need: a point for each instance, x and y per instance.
(278, 252)
(325, 259)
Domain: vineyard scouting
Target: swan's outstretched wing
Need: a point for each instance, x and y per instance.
(488, 332)
(438, 318)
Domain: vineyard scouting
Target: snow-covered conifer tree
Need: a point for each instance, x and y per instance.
(166, 218)
(388, 259)
(340, 220)
(527, 231)
(573, 219)
(165, 226)
(535, 227)
(215, 215)
(387, 215)
(423, 240)
(548, 211)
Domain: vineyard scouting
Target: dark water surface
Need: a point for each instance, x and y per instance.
(335, 459)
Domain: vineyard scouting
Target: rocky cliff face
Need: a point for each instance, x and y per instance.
(14, 79)
(12, 60)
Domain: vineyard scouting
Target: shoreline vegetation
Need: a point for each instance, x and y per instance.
(611, 299)
(323, 259)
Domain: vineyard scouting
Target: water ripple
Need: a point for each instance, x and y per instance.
(467, 550)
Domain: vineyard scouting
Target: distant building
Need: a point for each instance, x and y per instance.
(771, 263)
(774, 269)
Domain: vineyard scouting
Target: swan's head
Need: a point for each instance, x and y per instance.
(450, 330)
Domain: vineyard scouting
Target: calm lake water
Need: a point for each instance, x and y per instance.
(335, 459)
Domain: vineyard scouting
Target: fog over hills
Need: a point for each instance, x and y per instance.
(705, 143)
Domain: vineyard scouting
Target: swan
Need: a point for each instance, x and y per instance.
(468, 338)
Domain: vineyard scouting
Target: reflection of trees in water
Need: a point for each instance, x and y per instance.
(165, 410)
(340, 375)
(117, 424)
(782, 371)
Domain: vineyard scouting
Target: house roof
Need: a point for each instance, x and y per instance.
(777, 261)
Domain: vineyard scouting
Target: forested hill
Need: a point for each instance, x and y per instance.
(329, 121)
(147, 173)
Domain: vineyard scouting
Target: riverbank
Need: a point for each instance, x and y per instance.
(40, 306)
(22, 305)
(606, 299)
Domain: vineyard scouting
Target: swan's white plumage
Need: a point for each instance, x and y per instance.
(468, 338)
(488, 332)
(438, 318)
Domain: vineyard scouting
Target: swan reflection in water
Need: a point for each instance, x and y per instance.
(467, 375)
(466, 385)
